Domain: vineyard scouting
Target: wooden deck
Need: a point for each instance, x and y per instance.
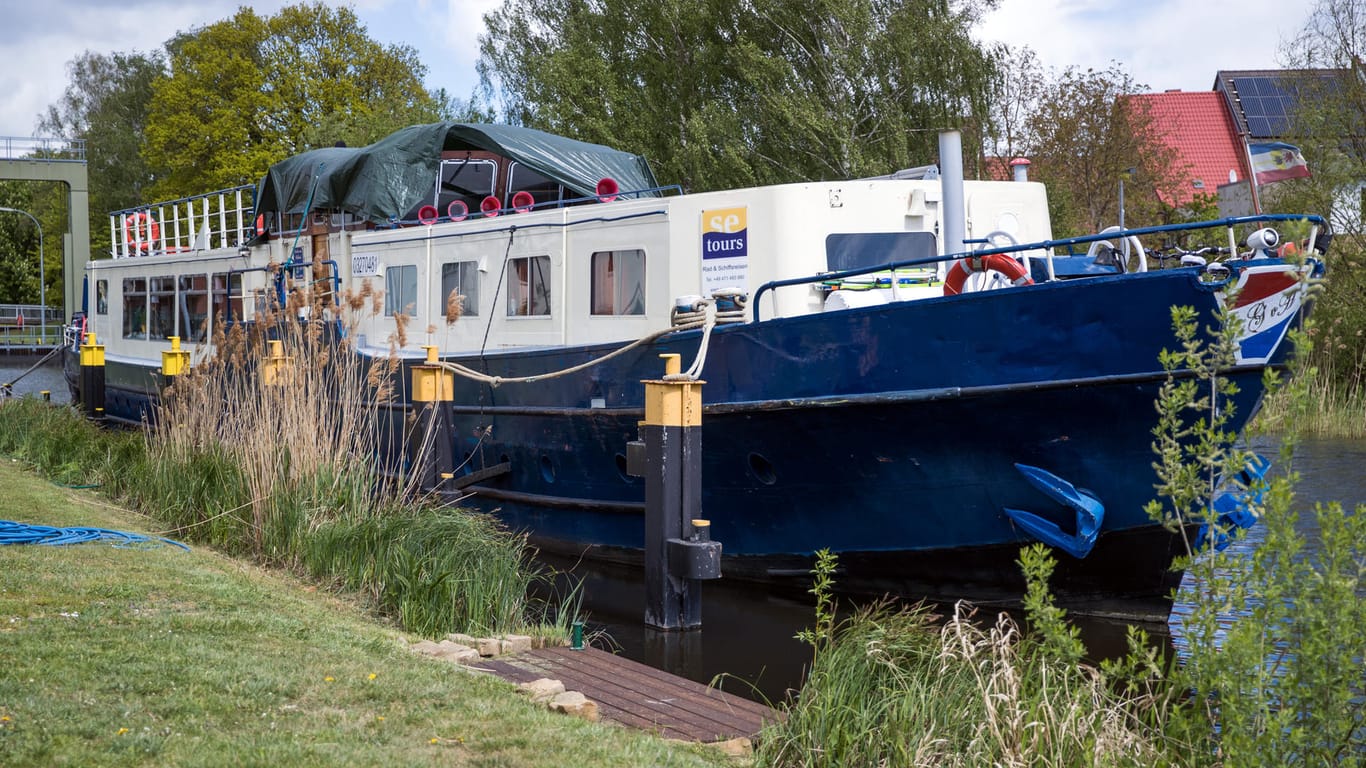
(637, 696)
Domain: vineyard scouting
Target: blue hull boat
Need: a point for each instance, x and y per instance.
(917, 384)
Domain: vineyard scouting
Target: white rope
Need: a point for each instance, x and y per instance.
(494, 381)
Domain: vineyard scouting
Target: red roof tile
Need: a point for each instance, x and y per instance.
(1198, 126)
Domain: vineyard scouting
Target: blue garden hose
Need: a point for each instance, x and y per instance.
(46, 535)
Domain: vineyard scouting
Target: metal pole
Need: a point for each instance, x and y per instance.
(42, 276)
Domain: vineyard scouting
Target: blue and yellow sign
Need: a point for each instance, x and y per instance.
(725, 249)
(725, 233)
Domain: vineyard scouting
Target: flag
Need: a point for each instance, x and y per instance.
(1276, 161)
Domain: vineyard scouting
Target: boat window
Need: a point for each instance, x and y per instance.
(135, 308)
(400, 290)
(469, 181)
(871, 249)
(529, 286)
(101, 297)
(544, 190)
(193, 300)
(161, 308)
(462, 279)
(225, 291)
(619, 282)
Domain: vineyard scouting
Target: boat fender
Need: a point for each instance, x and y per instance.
(995, 262)
(607, 189)
(142, 230)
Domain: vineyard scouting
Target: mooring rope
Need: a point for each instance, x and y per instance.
(49, 536)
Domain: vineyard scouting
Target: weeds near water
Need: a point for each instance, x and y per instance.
(894, 686)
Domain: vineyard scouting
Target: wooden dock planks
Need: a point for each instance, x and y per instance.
(638, 696)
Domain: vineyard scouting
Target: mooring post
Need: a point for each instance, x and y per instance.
(92, 377)
(431, 447)
(679, 552)
(174, 361)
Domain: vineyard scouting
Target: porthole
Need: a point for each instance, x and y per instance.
(762, 469)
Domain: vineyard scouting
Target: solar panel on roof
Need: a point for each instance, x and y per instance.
(1265, 104)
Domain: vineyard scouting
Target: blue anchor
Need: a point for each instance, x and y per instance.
(1089, 510)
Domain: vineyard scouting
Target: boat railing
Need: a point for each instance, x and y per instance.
(1047, 247)
(221, 219)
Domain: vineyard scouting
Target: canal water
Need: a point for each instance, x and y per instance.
(46, 377)
(747, 643)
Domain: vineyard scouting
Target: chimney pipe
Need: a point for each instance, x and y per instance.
(1020, 166)
(951, 179)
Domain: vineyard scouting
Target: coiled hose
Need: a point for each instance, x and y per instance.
(46, 535)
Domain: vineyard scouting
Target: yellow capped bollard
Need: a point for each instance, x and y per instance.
(92, 377)
(431, 382)
(679, 552)
(275, 368)
(431, 445)
(174, 361)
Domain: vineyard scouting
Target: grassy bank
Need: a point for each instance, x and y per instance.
(156, 656)
(1330, 410)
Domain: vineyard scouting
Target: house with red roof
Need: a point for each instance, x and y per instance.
(1199, 127)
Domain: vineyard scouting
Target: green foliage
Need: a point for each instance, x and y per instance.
(822, 587)
(1082, 135)
(1054, 637)
(105, 104)
(720, 95)
(248, 91)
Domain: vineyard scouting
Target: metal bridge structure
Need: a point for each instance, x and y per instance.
(62, 161)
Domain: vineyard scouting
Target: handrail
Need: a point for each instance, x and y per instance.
(1048, 245)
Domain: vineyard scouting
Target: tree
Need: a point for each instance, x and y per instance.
(1083, 136)
(1329, 126)
(722, 95)
(246, 92)
(105, 105)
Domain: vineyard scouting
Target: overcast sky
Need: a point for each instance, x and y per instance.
(1164, 44)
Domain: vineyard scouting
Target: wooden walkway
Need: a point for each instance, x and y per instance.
(638, 696)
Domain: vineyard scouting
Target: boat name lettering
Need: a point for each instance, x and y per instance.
(1271, 308)
(364, 264)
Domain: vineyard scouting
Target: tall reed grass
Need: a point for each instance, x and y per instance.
(285, 469)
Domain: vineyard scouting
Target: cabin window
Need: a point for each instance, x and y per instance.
(469, 181)
(161, 308)
(193, 300)
(400, 290)
(135, 308)
(462, 279)
(528, 286)
(543, 189)
(619, 282)
(101, 297)
(227, 292)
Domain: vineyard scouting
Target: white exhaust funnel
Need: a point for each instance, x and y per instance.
(951, 179)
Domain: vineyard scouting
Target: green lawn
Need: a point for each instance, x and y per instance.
(156, 656)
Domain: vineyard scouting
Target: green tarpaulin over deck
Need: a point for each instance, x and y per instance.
(388, 178)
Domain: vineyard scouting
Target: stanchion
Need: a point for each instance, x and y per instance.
(92, 377)
(679, 552)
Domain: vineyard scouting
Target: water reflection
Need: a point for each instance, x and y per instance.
(48, 377)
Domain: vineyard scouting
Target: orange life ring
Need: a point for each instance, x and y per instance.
(141, 230)
(995, 262)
